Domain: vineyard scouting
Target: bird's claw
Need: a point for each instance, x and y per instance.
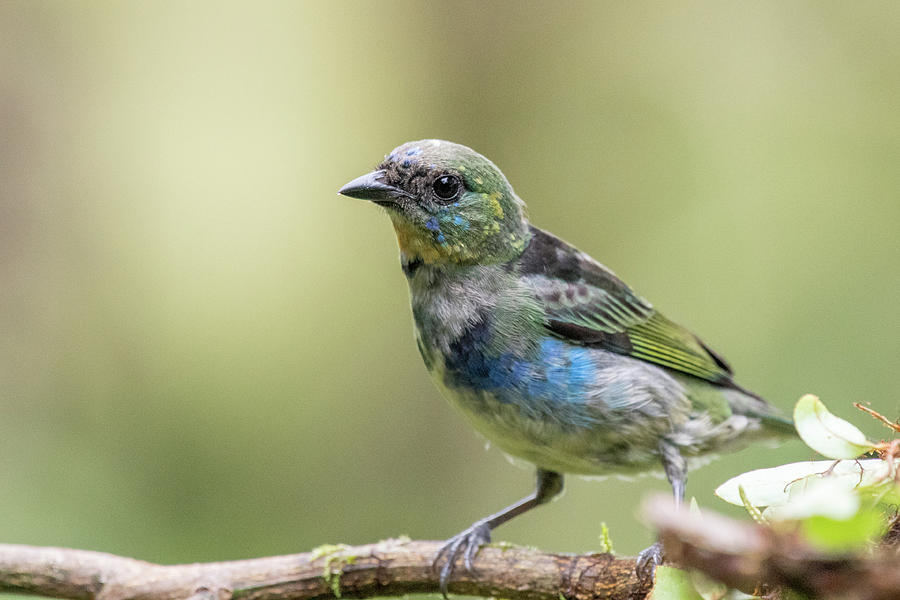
(647, 561)
(465, 543)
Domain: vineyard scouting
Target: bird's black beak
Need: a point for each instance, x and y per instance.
(371, 187)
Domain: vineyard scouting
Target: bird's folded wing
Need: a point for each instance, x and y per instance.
(586, 303)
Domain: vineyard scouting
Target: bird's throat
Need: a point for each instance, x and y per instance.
(416, 247)
(494, 245)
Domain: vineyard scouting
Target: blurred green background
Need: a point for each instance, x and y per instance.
(205, 353)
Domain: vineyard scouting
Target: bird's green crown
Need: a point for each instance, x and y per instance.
(449, 204)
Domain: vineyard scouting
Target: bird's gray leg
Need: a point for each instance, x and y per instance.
(467, 542)
(675, 467)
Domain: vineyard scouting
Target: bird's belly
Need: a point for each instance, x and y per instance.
(549, 443)
(551, 410)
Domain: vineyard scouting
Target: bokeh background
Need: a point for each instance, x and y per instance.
(205, 353)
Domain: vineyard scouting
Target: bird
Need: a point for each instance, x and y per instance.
(544, 350)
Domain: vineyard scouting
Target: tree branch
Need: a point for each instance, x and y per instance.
(388, 568)
(739, 554)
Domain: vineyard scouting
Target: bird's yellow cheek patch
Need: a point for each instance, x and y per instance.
(494, 197)
(413, 245)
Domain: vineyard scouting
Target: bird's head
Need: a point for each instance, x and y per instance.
(449, 204)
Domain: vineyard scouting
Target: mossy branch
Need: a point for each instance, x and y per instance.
(744, 555)
(388, 568)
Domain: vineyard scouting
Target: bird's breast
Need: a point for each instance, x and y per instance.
(539, 377)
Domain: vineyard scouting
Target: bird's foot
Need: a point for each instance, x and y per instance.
(647, 561)
(465, 544)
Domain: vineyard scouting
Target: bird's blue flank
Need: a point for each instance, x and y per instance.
(552, 382)
(582, 367)
(502, 369)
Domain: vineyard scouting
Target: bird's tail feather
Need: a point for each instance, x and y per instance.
(778, 424)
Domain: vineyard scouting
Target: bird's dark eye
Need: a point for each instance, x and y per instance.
(446, 187)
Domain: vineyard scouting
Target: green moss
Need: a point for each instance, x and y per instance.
(605, 540)
(400, 539)
(325, 550)
(334, 563)
(502, 545)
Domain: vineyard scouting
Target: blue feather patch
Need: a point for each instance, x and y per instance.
(553, 381)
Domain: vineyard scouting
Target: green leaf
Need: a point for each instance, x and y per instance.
(825, 433)
(827, 497)
(771, 487)
(849, 535)
(707, 587)
(887, 495)
(673, 584)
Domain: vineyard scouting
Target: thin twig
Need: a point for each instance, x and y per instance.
(877, 415)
